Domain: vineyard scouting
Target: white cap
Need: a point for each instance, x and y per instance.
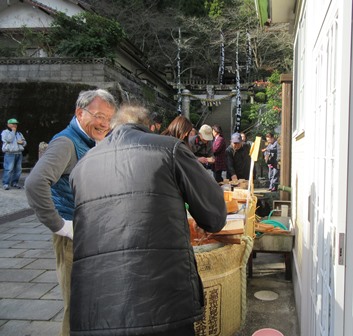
(206, 132)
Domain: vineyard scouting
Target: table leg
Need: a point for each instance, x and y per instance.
(250, 265)
(288, 263)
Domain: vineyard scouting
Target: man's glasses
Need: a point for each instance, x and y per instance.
(100, 117)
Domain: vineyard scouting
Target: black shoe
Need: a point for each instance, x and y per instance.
(16, 186)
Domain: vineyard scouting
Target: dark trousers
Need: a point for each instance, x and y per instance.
(273, 176)
(187, 330)
(218, 175)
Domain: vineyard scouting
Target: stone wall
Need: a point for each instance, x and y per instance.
(52, 70)
(42, 108)
(41, 93)
(98, 72)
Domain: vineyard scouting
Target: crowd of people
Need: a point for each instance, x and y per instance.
(232, 162)
(112, 187)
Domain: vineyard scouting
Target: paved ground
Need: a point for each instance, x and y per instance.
(13, 201)
(279, 314)
(30, 300)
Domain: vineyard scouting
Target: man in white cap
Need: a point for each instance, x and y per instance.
(13, 144)
(201, 146)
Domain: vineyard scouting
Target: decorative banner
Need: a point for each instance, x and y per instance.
(179, 109)
(237, 107)
(211, 319)
(221, 65)
(248, 53)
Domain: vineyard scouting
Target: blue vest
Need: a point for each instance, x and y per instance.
(61, 191)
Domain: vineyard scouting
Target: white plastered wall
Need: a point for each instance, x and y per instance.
(319, 162)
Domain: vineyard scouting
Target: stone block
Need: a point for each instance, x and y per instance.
(65, 75)
(38, 254)
(9, 253)
(4, 236)
(14, 262)
(37, 328)
(19, 275)
(47, 277)
(53, 294)
(41, 264)
(37, 291)
(33, 245)
(9, 290)
(28, 230)
(31, 237)
(18, 309)
(7, 244)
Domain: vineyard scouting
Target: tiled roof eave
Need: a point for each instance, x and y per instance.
(48, 10)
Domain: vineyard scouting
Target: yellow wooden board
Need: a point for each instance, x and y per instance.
(255, 148)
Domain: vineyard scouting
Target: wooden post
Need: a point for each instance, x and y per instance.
(286, 134)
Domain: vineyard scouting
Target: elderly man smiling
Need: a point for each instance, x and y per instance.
(47, 186)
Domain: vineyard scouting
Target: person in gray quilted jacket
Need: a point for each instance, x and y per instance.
(134, 269)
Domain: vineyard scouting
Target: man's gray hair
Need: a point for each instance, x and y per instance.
(86, 97)
(132, 113)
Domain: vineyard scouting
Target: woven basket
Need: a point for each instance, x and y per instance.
(220, 271)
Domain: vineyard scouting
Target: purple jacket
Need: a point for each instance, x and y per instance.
(219, 151)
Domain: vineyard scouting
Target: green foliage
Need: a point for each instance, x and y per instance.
(263, 4)
(246, 120)
(153, 26)
(260, 97)
(214, 8)
(7, 52)
(148, 94)
(191, 7)
(18, 44)
(84, 35)
(194, 118)
(274, 92)
(267, 115)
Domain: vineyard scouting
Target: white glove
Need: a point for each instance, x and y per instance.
(67, 230)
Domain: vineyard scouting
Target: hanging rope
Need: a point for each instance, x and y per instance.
(237, 107)
(179, 107)
(248, 249)
(209, 101)
(221, 63)
(248, 55)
